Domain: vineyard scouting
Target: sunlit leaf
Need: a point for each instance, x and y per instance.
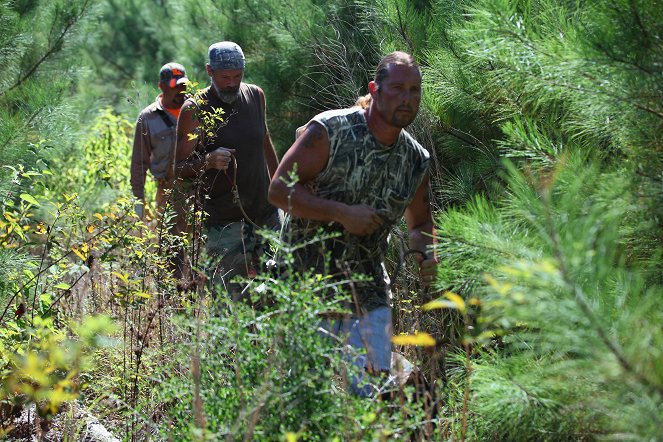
(29, 198)
(40, 229)
(418, 339)
(123, 277)
(453, 301)
(80, 253)
(9, 217)
(456, 299)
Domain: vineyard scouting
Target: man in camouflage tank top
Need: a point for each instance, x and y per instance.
(358, 173)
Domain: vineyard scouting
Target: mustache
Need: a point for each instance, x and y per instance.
(404, 108)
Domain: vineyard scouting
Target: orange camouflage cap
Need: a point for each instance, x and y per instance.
(172, 74)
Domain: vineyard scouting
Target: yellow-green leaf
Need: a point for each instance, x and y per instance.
(453, 301)
(418, 339)
(81, 252)
(122, 276)
(456, 299)
(30, 199)
(438, 303)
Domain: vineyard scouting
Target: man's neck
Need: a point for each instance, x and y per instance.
(166, 105)
(382, 131)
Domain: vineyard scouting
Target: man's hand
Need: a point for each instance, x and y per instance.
(427, 270)
(219, 158)
(360, 219)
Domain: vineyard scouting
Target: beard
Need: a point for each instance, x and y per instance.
(402, 119)
(227, 95)
(177, 101)
(174, 102)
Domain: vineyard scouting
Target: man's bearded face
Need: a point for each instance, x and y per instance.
(226, 83)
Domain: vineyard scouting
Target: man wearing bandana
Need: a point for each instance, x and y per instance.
(230, 162)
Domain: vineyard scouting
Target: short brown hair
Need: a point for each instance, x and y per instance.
(397, 57)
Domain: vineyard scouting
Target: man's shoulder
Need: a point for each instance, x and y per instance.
(251, 86)
(252, 90)
(352, 114)
(414, 145)
(202, 94)
(335, 113)
(148, 110)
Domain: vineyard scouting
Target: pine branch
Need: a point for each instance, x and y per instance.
(402, 29)
(52, 49)
(638, 20)
(604, 50)
(580, 299)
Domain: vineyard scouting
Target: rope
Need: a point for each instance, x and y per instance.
(235, 191)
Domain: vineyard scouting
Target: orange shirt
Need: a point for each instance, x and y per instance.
(174, 112)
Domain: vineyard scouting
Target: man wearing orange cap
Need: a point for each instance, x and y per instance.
(154, 139)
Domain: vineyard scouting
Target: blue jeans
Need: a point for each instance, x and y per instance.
(370, 334)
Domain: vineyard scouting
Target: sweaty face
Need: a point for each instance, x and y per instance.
(399, 95)
(226, 83)
(172, 97)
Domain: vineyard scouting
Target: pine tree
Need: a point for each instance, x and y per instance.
(559, 252)
(37, 39)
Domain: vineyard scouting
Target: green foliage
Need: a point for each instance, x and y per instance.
(264, 373)
(96, 169)
(41, 365)
(561, 309)
(35, 39)
(556, 254)
(66, 243)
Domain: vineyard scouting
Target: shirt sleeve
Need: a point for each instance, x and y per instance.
(140, 158)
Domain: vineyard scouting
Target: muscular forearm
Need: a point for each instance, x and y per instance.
(357, 219)
(300, 202)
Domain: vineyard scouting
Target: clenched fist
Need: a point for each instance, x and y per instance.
(219, 158)
(360, 219)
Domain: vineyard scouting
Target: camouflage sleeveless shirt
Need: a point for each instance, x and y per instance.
(361, 171)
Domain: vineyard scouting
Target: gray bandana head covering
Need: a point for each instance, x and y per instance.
(226, 55)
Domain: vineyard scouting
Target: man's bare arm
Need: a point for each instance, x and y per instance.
(188, 163)
(271, 158)
(310, 154)
(419, 219)
(187, 124)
